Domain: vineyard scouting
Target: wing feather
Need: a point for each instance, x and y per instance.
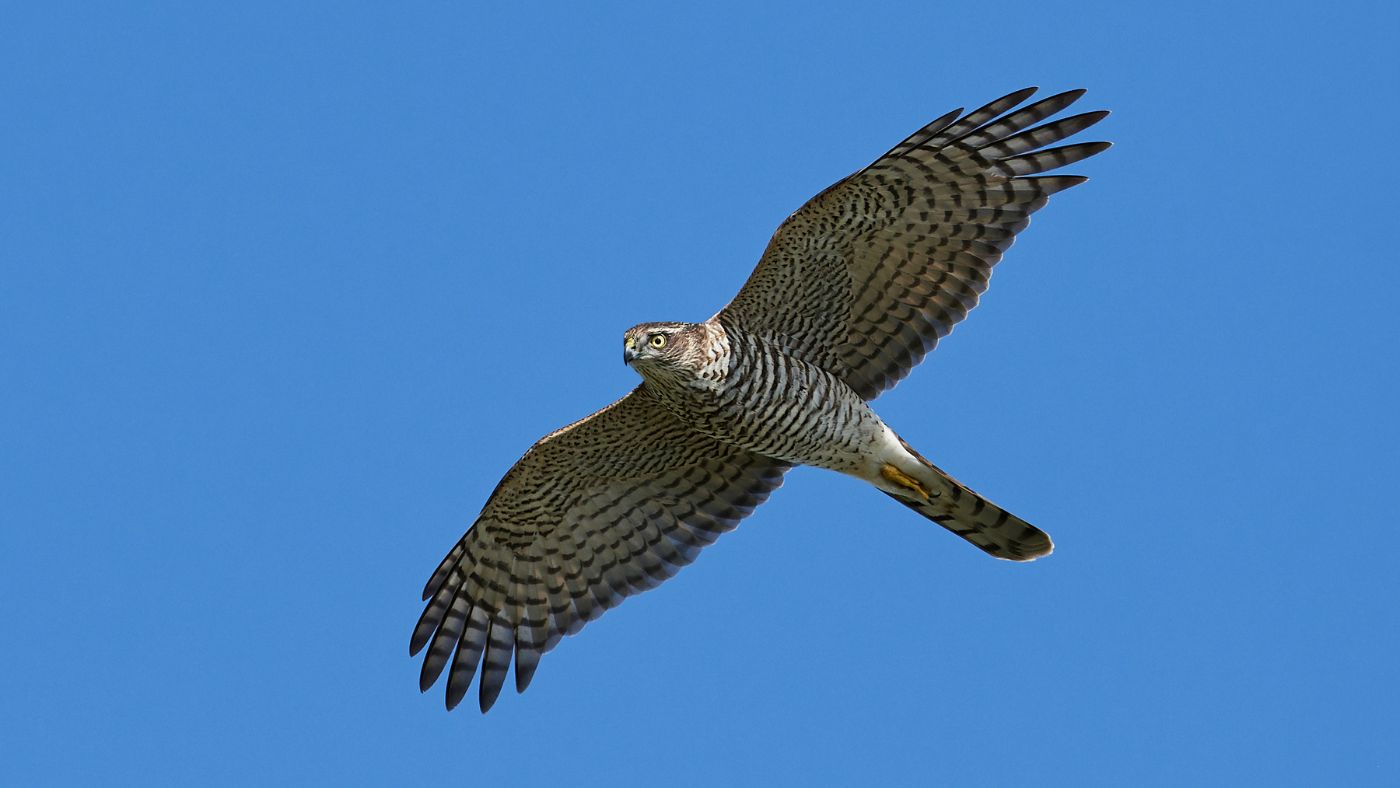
(866, 277)
(605, 508)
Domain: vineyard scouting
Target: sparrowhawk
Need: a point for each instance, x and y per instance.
(853, 290)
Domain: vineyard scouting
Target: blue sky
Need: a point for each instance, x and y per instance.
(285, 291)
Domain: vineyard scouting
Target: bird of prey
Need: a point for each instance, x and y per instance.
(852, 291)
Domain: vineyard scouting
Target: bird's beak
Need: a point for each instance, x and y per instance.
(629, 350)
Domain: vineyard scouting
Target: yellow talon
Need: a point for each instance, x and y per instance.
(903, 480)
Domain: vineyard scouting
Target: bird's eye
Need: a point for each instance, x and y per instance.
(658, 341)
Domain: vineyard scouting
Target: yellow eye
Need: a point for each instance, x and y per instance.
(658, 340)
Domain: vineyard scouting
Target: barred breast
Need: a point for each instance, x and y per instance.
(773, 404)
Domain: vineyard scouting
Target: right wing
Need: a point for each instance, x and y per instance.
(604, 508)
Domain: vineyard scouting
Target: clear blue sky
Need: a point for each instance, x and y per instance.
(285, 291)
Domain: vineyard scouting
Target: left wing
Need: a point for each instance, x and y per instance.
(866, 277)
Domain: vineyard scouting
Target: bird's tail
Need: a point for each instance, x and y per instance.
(991, 528)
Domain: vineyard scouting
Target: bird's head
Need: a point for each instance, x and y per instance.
(660, 349)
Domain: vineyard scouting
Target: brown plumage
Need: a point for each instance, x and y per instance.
(853, 290)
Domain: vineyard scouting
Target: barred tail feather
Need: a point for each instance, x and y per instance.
(989, 527)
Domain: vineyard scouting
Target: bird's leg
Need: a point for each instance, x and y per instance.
(903, 480)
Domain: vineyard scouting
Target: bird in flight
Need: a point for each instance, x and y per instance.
(853, 290)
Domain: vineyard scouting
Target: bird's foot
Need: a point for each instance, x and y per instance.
(903, 480)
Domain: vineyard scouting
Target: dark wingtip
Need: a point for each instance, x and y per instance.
(1096, 115)
(456, 690)
(525, 663)
(421, 634)
(489, 694)
(427, 676)
(495, 662)
(1054, 184)
(1021, 95)
(423, 631)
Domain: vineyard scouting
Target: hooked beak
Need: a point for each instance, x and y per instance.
(629, 350)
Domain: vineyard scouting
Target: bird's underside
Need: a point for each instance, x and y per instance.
(853, 290)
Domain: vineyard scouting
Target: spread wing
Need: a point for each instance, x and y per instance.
(867, 276)
(607, 507)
